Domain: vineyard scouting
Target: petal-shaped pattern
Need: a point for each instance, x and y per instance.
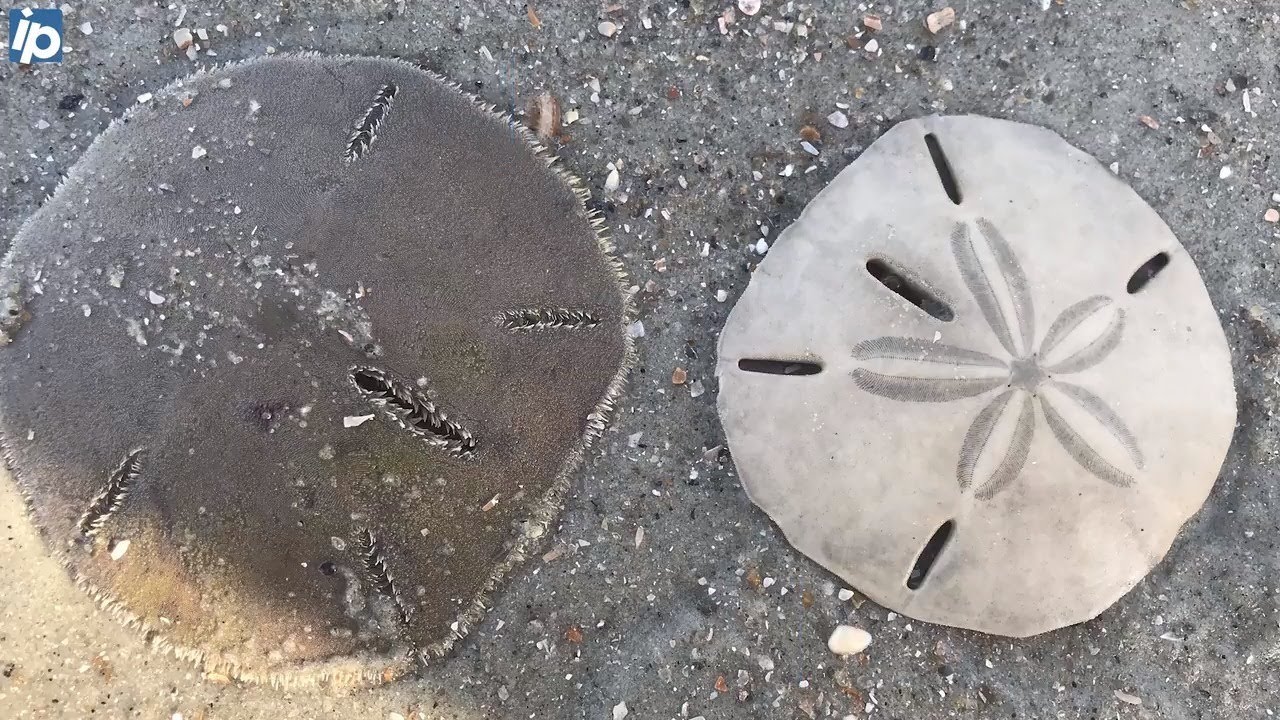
(977, 441)
(1069, 320)
(924, 389)
(1079, 449)
(924, 351)
(977, 437)
(1102, 412)
(1096, 351)
(1011, 278)
(1016, 279)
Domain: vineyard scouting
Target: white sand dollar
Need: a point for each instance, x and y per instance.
(979, 379)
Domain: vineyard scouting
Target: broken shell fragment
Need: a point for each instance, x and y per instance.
(307, 352)
(974, 403)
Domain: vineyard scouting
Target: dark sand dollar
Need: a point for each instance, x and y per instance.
(299, 358)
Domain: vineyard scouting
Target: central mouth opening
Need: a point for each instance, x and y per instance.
(1025, 373)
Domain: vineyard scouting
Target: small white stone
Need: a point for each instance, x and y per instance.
(872, 45)
(1126, 698)
(351, 421)
(762, 246)
(119, 549)
(198, 152)
(848, 640)
(1115, 168)
(808, 147)
(838, 119)
(155, 298)
(202, 33)
(224, 83)
(607, 28)
(144, 98)
(620, 711)
(845, 594)
(42, 124)
(636, 329)
(86, 27)
(395, 716)
(749, 7)
(1225, 172)
(1275, 197)
(182, 38)
(612, 182)
(722, 295)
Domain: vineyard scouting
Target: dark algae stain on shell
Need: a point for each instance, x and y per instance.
(299, 359)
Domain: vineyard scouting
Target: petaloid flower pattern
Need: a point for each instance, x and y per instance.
(924, 371)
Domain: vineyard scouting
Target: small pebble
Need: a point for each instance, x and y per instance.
(848, 640)
(845, 594)
(938, 20)
(182, 38)
(86, 27)
(749, 7)
(872, 23)
(607, 29)
(119, 549)
(1271, 215)
(722, 295)
(1225, 172)
(612, 182)
(762, 246)
(838, 119)
(198, 152)
(872, 46)
(636, 329)
(620, 711)
(1125, 697)
(351, 421)
(696, 389)
(679, 376)
(155, 298)
(144, 98)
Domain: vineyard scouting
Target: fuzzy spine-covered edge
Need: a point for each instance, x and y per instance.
(354, 672)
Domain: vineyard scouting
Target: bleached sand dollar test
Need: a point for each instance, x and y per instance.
(979, 379)
(300, 357)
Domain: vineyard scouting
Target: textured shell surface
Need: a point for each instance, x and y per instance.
(979, 379)
(299, 359)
